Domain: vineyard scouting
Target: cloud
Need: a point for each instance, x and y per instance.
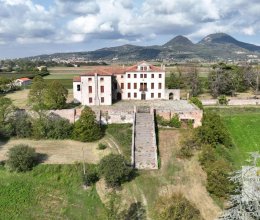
(79, 21)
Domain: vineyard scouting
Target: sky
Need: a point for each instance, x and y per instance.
(34, 27)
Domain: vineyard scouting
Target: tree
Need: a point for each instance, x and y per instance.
(55, 95)
(22, 125)
(87, 128)
(196, 102)
(36, 94)
(176, 207)
(172, 82)
(115, 170)
(194, 82)
(6, 113)
(21, 158)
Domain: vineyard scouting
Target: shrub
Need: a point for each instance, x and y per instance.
(51, 127)
(176, 207)
(91, 175)
(22, 125)
(21, 158)
(196, 102)
(87, 128)
(213, 131)
(218, 183)
(222, 100)
(175, 122)
(115, 170)
(102, 146)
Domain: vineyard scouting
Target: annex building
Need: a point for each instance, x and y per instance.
(106, 85)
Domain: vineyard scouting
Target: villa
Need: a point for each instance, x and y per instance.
(105, 86)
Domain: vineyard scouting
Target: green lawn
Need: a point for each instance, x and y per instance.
(65, 79)
(244, 127)
(48, 192)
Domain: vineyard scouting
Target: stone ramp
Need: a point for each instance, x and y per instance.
(145, 153)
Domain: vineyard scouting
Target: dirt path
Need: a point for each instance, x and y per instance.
(59, 151)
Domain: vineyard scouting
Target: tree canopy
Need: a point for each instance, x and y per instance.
(87, 128)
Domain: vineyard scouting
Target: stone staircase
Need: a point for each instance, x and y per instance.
(145, 149)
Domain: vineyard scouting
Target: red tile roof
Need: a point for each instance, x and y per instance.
(24, 79)
(76, 79)
(117, 70)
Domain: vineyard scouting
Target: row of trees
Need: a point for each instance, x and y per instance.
(214, 141)
(223, 79)
(15, 122)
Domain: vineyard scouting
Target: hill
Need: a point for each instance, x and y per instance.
(219, 46)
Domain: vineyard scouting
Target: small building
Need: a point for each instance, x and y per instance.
(22, 82)
(104, 86)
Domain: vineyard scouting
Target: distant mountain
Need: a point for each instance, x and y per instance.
(219, 46)
(178, 41)
(222, 38)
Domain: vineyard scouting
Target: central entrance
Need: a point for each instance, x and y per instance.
(143, 96)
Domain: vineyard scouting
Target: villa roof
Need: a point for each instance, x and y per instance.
(24, 79)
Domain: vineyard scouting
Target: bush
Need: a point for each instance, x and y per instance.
(21, 158)
(196, 102)
(175, 122)
(87, 128)
(213, 131)
(176, 207)
(218, 171)
(51, 127)
(102, 146)
(91, 176)
(115, 170)
(22, 126)
(222, 100)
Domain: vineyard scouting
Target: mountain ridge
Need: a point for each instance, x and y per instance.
(212, 47)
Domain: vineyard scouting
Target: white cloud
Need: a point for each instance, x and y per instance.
(75, 21)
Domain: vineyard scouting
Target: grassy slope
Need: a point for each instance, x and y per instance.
(122, 133)
(48, 192)
(244, 127)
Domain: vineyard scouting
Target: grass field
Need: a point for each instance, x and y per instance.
(48, 192)
(244, 127)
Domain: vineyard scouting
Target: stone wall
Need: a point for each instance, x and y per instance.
(232, 102)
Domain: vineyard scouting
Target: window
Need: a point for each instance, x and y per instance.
(152, 75)
(122, 85)
(152, 95)
(160, 86)
(102, 89)
(135, 76)
(160, 75)
(90, 100)
(141, 75)
(145, 75)
(129, 95)
(89, 79)
(159, 95)
(142, 68)
(152, 85)
(129, 85)
(102, 99)
(122, 76)
(90, 89)
(135, 85)
(145, 68)
(128, 75)
(78, 87)
(135, 95)
(101, 79)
